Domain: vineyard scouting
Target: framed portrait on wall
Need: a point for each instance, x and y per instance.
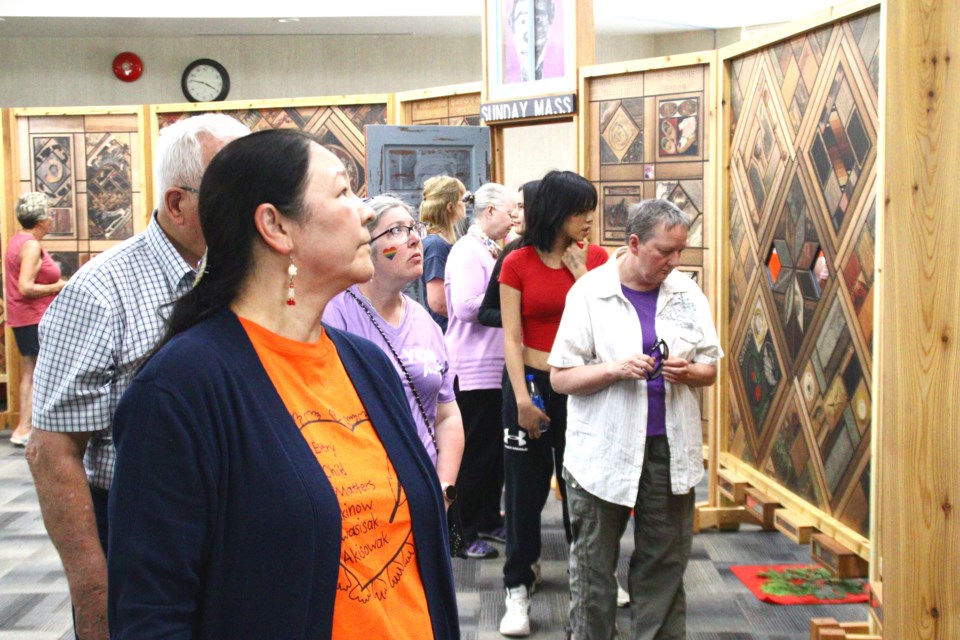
(531, 47)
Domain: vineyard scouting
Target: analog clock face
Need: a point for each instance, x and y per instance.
(205, 81)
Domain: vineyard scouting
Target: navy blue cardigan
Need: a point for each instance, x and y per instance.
(222, 524)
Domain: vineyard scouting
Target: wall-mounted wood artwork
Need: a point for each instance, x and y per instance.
(646, 139)
(801, 192)
(337, 123)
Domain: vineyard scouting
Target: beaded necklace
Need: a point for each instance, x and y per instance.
(403, 367)
(491, 245)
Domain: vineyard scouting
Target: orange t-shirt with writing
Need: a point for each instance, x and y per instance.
(379, 589)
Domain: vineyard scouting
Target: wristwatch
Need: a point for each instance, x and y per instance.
(449, 491)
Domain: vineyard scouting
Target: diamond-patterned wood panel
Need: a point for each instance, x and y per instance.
(89, 166)
(338, 127)
(801, 187)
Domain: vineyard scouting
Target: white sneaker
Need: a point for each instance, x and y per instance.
(623, 598)
(516, 621)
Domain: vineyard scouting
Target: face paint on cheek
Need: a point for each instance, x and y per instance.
(390, 253)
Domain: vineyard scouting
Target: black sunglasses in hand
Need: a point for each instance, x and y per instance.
(659, 352)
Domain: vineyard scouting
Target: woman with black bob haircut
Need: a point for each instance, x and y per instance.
(269, 480)
(534, 281)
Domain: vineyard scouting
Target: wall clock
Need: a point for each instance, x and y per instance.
(205, 80)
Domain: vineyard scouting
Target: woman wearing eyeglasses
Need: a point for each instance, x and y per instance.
(442, 208)
(379, 311)
(534, 282)
(476, 353)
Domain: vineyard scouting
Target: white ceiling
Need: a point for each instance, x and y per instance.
(72, 18)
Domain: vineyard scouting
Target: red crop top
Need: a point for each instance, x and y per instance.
(543, 292)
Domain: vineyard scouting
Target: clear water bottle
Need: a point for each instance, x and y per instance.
(536, 399)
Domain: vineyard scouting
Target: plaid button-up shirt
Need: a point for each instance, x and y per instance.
(96, 334)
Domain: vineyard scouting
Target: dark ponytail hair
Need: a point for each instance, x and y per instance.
(269, 166)
(561, 194)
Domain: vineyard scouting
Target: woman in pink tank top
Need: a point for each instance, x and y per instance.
(33, 279)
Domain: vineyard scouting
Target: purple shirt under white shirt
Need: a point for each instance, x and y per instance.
(645, 303)
(419, 343)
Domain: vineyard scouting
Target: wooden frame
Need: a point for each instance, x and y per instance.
(440, 102)
(6, 206)
(506, 75)
(140, 172)
(581, 42)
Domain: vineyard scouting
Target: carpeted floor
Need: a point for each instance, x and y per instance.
(719, 606)
(34, 604)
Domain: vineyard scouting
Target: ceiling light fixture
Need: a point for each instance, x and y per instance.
(286, 20)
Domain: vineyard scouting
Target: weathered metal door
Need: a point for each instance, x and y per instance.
(400, 158)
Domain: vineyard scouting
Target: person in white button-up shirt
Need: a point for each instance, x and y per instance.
(633, 441)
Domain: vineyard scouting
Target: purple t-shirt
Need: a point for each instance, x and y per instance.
(419, 343)
(645, 303)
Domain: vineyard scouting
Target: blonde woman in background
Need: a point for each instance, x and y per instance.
(33, 279)
(442, 208)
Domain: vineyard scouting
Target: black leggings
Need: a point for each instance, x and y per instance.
(528, 466)
(480, 480)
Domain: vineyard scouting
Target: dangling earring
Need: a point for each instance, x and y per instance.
(292, 272)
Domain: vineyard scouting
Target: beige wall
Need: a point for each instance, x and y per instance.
(532, 150)
(49, 72)
(77, 71)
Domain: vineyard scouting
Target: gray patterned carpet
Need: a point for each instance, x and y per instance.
(34, 604)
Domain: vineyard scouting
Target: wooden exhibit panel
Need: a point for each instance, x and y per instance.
(918, 323)
(800, 134)
(646, 138)
(336, 122)
(455, 105)
(90, 163)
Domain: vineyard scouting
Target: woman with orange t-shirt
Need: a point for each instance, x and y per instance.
(269, 479)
